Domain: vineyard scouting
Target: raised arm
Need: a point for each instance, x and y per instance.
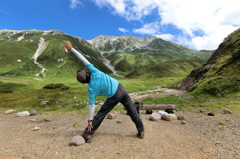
(92, 106)
(69, 47)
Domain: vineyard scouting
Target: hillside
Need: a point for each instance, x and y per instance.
(130, 54)
(178, 67)
(41, 53)
(220, 74)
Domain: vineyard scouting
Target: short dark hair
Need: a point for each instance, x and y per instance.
(81, 75)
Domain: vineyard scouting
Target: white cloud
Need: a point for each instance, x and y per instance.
(118, 5)
(151, 29)
(168, 37)
(74, 3)
(203, 24)
(123, 30)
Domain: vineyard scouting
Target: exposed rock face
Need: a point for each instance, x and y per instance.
(194, 77)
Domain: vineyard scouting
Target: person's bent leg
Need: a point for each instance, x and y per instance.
(101, 114)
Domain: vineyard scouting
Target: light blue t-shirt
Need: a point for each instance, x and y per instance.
(100, 84)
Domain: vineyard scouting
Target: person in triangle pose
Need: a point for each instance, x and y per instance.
(101, 84)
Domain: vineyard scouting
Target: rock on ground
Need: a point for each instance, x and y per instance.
(76, 141)
(155, 116)
(23, 114)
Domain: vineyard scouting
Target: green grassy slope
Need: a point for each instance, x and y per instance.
(177, 68)
(16, 57)
(221, 72)
(130, 62)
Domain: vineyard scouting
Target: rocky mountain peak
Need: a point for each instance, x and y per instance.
(120, 43)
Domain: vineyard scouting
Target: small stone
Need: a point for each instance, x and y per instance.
(48, 119)
(112, 116)
(32, 120)
(169, 117)
(180, 117)
(10, 111)
(119, 121)
(44, 102)
(183, 122)
(23, 114)
(202, 110)
(155, 116)
(211, 114)
(76, 141)
(33, 112)
(226, 111)
(36, 128)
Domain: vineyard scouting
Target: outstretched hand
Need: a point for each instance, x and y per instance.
(68, 45)
(90, 127)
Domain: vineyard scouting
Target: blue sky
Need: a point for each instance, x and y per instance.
(196, 24)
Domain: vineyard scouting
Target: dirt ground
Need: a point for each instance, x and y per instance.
(202, 137)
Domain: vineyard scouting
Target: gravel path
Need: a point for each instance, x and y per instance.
(202, 137)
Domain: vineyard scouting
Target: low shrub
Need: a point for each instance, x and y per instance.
(55, 86)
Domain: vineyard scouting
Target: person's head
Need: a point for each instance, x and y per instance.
(83, 76)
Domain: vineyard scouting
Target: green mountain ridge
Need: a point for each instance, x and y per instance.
(17, 49)
(220, 74)
(132, 54)
(42, 53)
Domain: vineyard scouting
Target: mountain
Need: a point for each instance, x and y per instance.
(108, 44)
(130, 54)
(220, 74)
(42, 53)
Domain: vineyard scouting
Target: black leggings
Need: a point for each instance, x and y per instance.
(120, 96)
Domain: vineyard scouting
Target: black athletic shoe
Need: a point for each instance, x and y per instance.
(140, 134)
(87, 137)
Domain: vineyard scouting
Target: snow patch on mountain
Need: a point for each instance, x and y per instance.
(42, 45)
(20, 38)
(46, 32)
(108, 64)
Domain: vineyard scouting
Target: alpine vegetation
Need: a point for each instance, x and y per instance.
(219, 76)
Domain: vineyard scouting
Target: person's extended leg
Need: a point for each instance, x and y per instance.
(132, 111)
